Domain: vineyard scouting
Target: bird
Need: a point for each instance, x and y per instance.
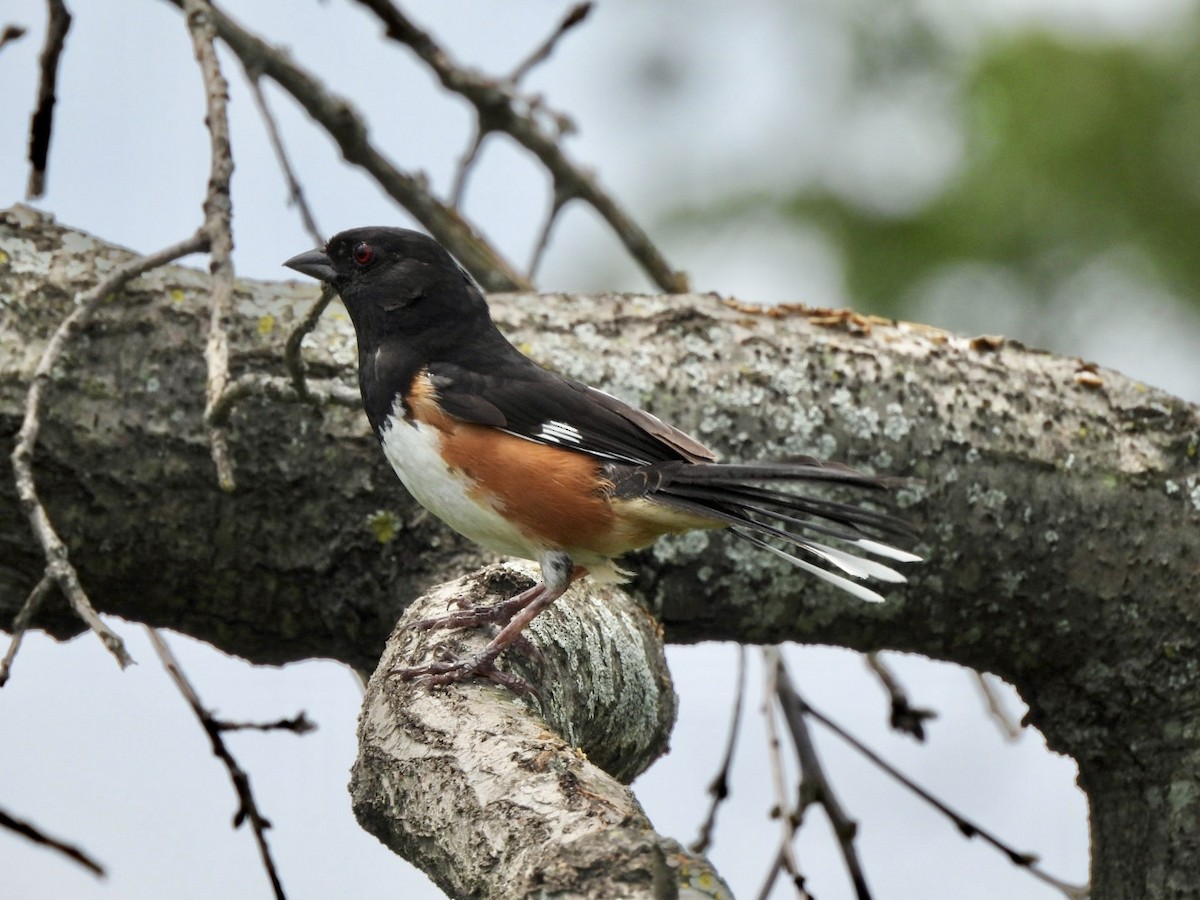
(528, 463)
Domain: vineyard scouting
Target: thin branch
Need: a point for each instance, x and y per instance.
(575, 15)
(349, 130)
(556, 205)
(223, 393)
(1008, 724)
(784, 861)
(282, 389)
(53, 548)
(21, 623)
(904, 716)
(295, 192)
(10, 34)
(718, 788)
(218, 213)
(297, 724)
(790, 819)
(814, 783)
(496, 107)
(1027, 861)
(41, 125)
(35, 834)
(248, 810)
(292, 356)
(464, 165)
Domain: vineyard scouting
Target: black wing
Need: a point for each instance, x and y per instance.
(524, 399)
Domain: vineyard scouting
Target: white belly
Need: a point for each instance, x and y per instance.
(412, 449)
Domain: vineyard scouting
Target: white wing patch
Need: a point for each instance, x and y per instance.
(559, 433)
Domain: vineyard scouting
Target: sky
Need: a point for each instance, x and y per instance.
(113, 760)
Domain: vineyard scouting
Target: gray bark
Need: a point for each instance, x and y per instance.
(469, 782)
(1059, 506)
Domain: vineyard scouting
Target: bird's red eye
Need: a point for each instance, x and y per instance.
(363, 253)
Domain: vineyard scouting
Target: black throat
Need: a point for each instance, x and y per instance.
(389, 364)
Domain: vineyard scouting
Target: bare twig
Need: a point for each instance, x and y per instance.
(556, 204)
(348, 129)
(1027, 861)
(464, 166)
(218, 213)
(1008, 724)
(275, 387)
(718, 789)
(789, 819)
(904, 716)
(496, 105)
(295, 192)
(35, 834)
(784, 862)
(575, 15)
(292, 356)
(21, 623)
(297, 724)
(815, 786)
(11, 33)
(53, 548)
(483, 128)
(248, 810)
(42, 124)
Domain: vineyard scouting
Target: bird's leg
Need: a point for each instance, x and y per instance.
(558, 573)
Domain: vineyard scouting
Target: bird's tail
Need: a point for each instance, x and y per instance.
(828, 534)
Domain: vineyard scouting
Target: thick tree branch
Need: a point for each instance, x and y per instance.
(495, 796)
(1059, 515)
(1004, 439)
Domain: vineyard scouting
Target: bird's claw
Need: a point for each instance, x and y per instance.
(470, 616)
(436, 674)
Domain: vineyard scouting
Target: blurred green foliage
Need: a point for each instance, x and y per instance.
(1071, 151)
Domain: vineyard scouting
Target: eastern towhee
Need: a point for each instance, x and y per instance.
(531, 464)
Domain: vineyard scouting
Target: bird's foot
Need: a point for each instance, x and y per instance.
(481, 665)
(471, 616)
(514, 613)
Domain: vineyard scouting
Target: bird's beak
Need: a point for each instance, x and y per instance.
(313, 263)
